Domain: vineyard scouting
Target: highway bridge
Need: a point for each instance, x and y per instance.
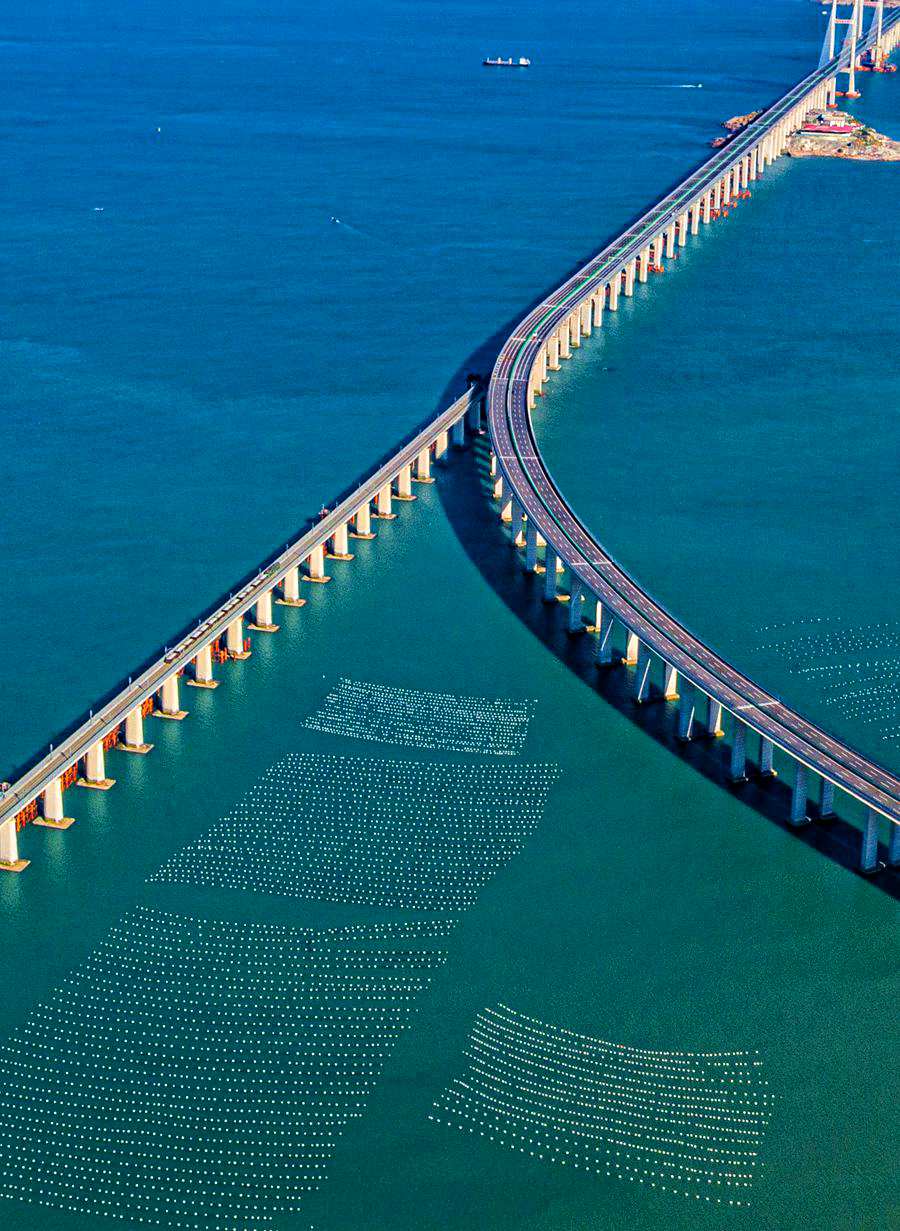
(542, 518)
(37, 793)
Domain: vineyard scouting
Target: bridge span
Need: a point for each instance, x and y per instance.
(541, 518)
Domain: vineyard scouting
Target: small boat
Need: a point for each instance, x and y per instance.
(499, 62)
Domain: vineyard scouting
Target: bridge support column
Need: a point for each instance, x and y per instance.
(506, 512)
(766, 753)
(383, 503)
(670, 240)
(751, 166)
(798, 796)
(497, 489)
(9, 848)
(868, 849)
(234, 639)
(670, 682)
(632, 648)
(442, 440)
(826, 800)
(598, 310)
(629, 278)
(686, 712)
(707, 209)
(695, 218)
(459, 427)
(554, 363)
(52, 807)
(516, 524)
(640, 685)
(474, 414)
(576, 624)
(262, 614)
(531, 542)
(362, 521)
(95, 769)
(316, 564)
(614, 295)
(575, 328)
(404, 492)
(586, 322)
(682, 229)
(549, 576)
(725, 190)
(738, 767)
(643, 264)
(603, 654)
(894, 846)
(169, 706)
(203, 672)
(423, 469)
(714, 718)
(716, 195)
(134, 732)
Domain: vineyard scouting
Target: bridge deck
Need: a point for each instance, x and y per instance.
(522, 466)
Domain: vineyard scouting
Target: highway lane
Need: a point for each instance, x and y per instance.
(523, 469)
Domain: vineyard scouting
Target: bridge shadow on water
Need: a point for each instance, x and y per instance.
(474, 516)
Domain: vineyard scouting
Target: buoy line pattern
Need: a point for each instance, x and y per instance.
(372, 832)
(430, 720)
(685, 1123)
(857, 667)
(198, 1074)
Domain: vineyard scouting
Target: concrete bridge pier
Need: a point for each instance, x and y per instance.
(686, 712)
(714, 727)
(695, 218)
(716, 194)
(9, 848)
(598, 310)
(384, 504)
(629, 278)
(603, 654)
(737, 770)
(586, 322)
(506, 512)
(614, 295)
(640, 685)
(826, 800)
(234, 639)
(707, 209)
(550, 562)
(575, 328)
(169, 706)
(339, 546)
(423, 468)
(643, 265)
(868, 850)
(262, 621)
(497, 487)
(315, 563)
(52, 814)
(203, 672)
(894, 846)
(553, 363)
(670, 240)
(766, 755)
(517, 524)
(134, 733)
(632, 648)
(459, 427)
(682, 229)
(290, 589)
(94, 775)
(531, 545)
(799, 815)
(576, 624)
(362, 521)
(670, 682)
(404, 486)
(441, 444)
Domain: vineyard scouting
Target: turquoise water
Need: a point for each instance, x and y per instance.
(210, 358)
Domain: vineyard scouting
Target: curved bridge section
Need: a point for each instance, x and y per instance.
(541, 517)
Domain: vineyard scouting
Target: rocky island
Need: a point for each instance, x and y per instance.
(826, 134)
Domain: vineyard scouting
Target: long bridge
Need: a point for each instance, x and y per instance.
(553, 538)
(540, 516)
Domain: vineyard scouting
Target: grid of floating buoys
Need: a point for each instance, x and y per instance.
(366, 831)
(689, 1123)
(434, 720)
(856, 667)
(198, 1073)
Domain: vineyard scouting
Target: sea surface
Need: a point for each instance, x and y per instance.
(248, 247)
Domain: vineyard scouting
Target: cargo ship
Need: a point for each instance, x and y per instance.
(498, 62)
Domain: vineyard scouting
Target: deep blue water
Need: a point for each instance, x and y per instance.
(196, 357)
